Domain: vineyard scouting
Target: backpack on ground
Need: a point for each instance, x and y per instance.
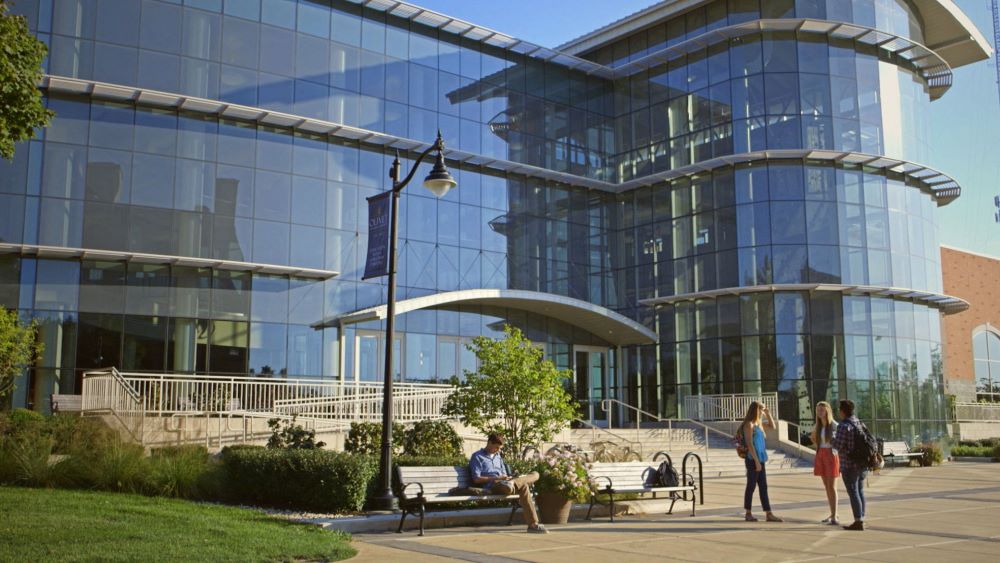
(666, 475)
(865, 452)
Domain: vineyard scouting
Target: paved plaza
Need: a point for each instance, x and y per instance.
(948, 513)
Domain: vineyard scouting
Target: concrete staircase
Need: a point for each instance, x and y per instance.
(718, 456)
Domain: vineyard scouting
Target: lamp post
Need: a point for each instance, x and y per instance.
(439, 181)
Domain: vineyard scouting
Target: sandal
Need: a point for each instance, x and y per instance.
(750, 518)
(773, 518)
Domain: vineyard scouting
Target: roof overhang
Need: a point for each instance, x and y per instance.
(60, 252)
(604, 323)
(947, 30)
(945, 303)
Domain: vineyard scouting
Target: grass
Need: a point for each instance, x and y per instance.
(59, 525)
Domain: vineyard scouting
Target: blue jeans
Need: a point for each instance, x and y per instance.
(754, 479)
(854, 481)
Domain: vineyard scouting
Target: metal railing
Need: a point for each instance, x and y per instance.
(726, 407)
(706, 430)
(166, 394)
(977, 412)
(635, 445)
(409, 405)
(106, 391)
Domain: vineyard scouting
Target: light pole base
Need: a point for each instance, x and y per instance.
(383, 503)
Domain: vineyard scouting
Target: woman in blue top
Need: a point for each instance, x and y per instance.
(753, 437)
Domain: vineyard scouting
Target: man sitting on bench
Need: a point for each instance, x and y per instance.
(490, 472)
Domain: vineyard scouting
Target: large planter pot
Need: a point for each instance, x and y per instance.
(553, 508)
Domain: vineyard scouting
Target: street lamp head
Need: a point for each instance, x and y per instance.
(439, 181)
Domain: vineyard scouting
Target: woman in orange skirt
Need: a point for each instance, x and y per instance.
(827, 461)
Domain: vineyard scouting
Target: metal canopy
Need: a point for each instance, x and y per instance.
(610, 326)
(143, 258)
(946, 303)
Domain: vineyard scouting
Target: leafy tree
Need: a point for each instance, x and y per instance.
(514, 392)
(21, 56)
(18, 348)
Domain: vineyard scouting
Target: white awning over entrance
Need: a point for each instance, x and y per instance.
(613, 327)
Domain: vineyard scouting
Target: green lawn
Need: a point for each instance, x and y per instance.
(59, 525)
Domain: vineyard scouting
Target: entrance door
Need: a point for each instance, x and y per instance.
(370, 353)
(592, 381)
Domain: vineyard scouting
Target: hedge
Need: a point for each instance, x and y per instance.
(318, 480)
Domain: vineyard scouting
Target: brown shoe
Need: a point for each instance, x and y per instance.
(857, 526)
(773, 518)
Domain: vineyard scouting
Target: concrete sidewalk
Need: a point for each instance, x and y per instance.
(948, 513)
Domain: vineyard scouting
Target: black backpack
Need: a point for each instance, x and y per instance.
(666, 475)
(865, 452)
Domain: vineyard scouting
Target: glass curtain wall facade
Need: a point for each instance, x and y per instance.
(124, 177)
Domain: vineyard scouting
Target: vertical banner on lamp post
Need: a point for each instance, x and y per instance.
(377, 263)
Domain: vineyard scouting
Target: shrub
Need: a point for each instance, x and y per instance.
(996, 452)
(972, 451)
(180, 472)
(931, 454)
(26, 417)
(27, 460)
(432, 438)
(287, 434)
(113, 466)
(366, 438)
(318, 480)
(78, 433)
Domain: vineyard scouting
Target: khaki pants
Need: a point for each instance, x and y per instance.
(521, 486)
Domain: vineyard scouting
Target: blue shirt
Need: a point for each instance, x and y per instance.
(483, 464)
(759, 444)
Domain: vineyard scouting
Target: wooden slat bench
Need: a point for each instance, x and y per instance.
(891, 451)
(66, 403)
(423, 486)
(633, 477)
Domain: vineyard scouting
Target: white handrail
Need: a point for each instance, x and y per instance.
(165, 394)
(977, 412)
(729, 408)
(107, 391)
(606, 404)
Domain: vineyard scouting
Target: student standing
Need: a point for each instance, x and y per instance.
(848, 433)
(753, 436)
(827, 463)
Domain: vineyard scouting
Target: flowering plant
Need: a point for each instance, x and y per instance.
(564, 473)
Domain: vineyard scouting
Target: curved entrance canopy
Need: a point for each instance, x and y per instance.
(614, 328)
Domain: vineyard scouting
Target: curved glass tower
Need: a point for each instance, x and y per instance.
(702, 198)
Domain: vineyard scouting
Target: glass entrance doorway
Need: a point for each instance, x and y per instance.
(592, 382)
(370, 353)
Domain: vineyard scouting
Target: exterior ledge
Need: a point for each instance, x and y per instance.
(142, 258)
(945, 303)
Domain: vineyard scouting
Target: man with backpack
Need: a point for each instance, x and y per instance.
(858, 450)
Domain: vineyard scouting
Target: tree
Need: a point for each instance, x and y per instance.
(21, 56)
(514, 392)
(18, 348)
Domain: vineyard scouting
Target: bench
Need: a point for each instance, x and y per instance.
(891, 451)
(633, 477)
(423, 486)
(66, 403)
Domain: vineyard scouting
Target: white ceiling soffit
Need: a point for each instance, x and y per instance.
(604, 323)
(945, 303)
(941, 186)
(59, 252)
(947, 30)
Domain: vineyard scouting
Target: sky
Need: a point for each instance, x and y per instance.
(965, 122)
